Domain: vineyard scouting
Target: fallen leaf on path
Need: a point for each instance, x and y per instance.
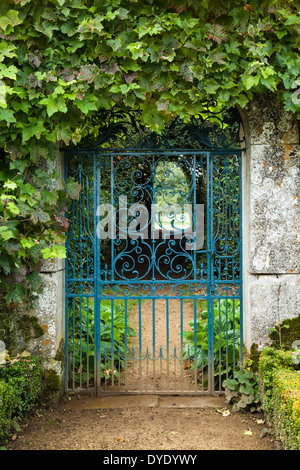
(121, 439)
(260, 421)
(264, 433)
(248, 432)
(14, 437)
(223, 411)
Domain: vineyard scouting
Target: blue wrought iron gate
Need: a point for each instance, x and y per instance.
(154, 259)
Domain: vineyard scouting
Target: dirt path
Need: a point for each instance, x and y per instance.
(158, 327)
(146, 422)
(162, 424)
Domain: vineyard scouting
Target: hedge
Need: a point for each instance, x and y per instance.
(21, 384)
(286, 402)
(280, 395)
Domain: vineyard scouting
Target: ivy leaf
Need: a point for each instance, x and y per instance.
(73, 189)
(35, 58)
(50, 197)
(53, 106)
(7, 115)
(115, 44)
(6, 233)
(56, 251)
(88, 103)
(38, 152)
(13, 208)
(88, 73)
(7, 50)
(218, 57)
(8, 72)
(11, 18)
(5, 263)
(250, 81)
(293, 19)
(110, 67)
(39, 216)
(16, 294)
(20, 273)
(11, 247)
(64, 134)
(218, 33)
(15, 152)
(62, 220)
(36, 128)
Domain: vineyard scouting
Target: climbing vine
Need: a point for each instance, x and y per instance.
(62, 60)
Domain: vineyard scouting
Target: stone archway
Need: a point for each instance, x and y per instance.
(271, 232)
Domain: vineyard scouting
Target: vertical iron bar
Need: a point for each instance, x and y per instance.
(241, 256)
(195, 345)
(181, 344)
(67, 297)
(73, 338)
(210, 305)
(80, 342)
(140, 344)
(126, 341)
(168, 358)
(112, 346)
(153, 339)
(220, 342)
(97, 275)
(87, 344)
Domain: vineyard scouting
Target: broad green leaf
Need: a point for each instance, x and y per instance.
(7, 115)
(35, 129)
(5, 232)
(53, 106)
(8, 72)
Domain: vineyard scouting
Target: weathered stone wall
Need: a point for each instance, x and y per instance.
(50, 309)
(271, 218)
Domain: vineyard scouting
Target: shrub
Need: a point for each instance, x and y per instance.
(280, 394)
(286, 408)
(7, 398)
(271, 360)
(21, 384)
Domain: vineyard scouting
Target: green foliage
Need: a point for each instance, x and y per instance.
(271, 361)
(278, 334)
(226, 323)
(286, 406)
(21, 383)
(280, 395)
(62, 61)
(243, 391)
(32, 227)
(113, 330)
(251, 361)
(285, 333)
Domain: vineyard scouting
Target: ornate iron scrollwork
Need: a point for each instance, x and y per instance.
(214, 128)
